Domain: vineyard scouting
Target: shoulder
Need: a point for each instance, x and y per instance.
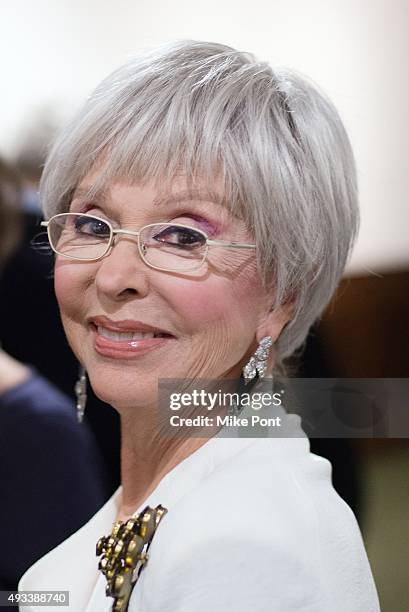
(37, 410)
(35, 395)
(271, 490)
(265, 530)
(280, 476)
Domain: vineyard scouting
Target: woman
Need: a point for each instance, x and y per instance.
(212, 207)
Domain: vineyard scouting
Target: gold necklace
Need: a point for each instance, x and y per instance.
(125, 553)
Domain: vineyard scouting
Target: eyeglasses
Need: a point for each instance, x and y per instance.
(171, 247)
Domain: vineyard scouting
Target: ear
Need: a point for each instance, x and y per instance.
(272, 324)
(275, 320)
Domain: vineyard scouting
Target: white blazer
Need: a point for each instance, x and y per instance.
(253, 525)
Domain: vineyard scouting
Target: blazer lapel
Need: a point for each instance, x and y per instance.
(70, 566)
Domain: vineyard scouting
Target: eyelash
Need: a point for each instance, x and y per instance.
(209, 227)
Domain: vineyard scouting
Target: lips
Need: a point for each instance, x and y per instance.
(127, 326)
(126, 338)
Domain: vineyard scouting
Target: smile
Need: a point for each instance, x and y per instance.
(127, 344)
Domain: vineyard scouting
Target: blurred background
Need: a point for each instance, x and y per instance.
(54, 53)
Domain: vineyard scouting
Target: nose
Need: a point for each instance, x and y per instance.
(122, 273)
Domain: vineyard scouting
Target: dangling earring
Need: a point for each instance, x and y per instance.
(81, 393)
(234, 409)
(257, 363)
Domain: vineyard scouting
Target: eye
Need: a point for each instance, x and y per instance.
(91, 226)
(182, 237)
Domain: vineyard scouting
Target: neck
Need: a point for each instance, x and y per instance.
(146, 457)
(148, 454)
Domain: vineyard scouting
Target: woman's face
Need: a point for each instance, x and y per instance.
(207, 319)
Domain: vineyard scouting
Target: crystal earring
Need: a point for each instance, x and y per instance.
(257, 363)
(81, 393)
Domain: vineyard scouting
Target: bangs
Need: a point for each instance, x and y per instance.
(156, 162)
(190, 121)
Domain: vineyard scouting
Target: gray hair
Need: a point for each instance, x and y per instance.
(204, 108)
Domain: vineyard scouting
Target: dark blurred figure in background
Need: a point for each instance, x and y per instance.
(28, 279)
(52, 478)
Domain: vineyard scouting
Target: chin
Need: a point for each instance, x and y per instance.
(122, 389)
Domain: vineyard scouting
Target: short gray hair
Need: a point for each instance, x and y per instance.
(287, 164)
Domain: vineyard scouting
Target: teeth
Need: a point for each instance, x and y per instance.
(123, 336)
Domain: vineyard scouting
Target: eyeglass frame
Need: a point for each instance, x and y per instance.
(137, 234)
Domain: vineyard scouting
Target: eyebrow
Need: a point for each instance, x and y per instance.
(173, 198)
(86, 192)
(183, 196)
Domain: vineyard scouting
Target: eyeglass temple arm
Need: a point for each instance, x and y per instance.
(241, 245)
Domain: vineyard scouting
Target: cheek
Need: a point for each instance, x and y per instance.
(217, 302)
(218, 318)
(69, 287)
(70, 284)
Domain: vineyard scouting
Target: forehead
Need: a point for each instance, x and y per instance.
(121, 192)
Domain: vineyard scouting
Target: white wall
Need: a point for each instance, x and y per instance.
(54, 52)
